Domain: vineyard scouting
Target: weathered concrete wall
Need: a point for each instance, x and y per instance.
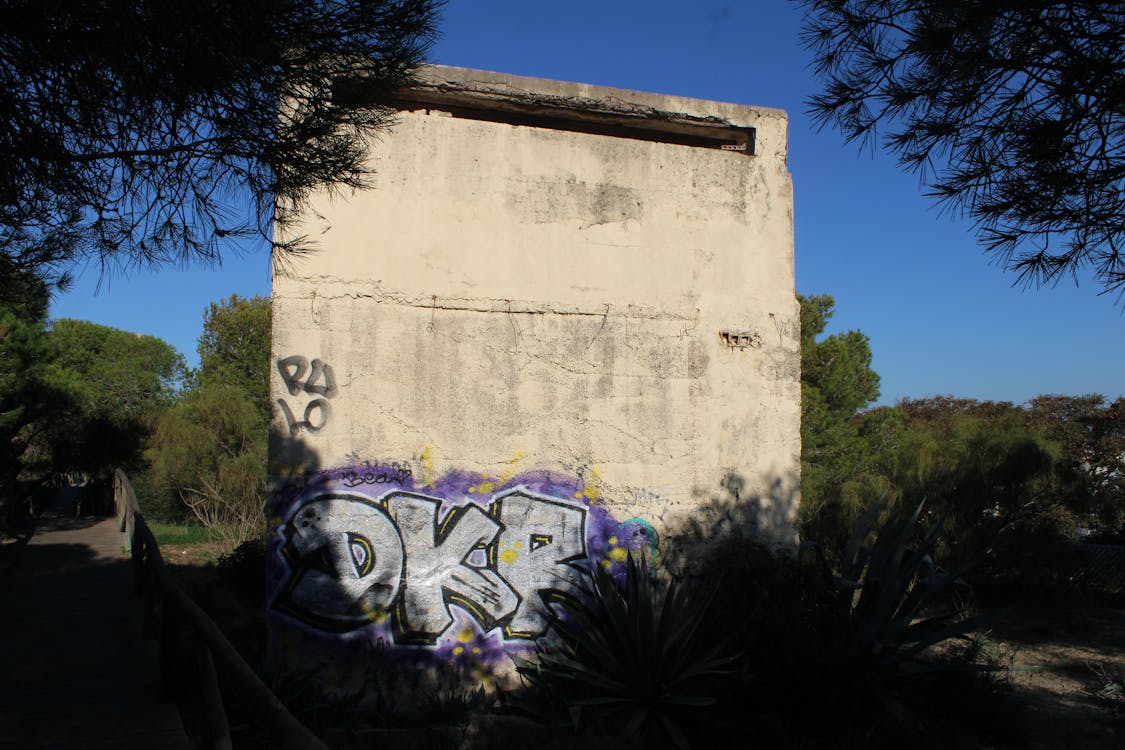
(550, 344)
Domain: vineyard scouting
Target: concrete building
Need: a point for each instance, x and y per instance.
(560, 327)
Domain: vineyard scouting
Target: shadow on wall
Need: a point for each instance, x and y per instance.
(454, 569)
(290, 455)
(330, 681)
(347, 671)
(391, 594)
(362, 679)
(734, 512)
(387, 588)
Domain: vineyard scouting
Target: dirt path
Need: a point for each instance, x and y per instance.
(1055, 653)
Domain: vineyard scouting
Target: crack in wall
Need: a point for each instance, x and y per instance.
(493, 305)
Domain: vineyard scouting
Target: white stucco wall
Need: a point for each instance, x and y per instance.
(512, 299)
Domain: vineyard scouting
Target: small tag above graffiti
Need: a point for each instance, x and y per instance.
(389, 474)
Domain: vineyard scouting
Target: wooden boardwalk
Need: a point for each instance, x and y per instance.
(75, 671)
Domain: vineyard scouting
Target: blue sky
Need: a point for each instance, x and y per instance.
(941, 319)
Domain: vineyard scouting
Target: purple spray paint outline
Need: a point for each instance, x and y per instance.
(608, 543)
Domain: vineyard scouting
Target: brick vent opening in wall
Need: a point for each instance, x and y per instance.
(741, 339)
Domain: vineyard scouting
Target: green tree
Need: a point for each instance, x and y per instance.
(1009, 109)
(74, 396)
(1091, 434)
(836, 382)
(985, 468)
(235, 347)
(130, 123)
(27, 400)
(116, 383)
(208, 454)
(208, 461)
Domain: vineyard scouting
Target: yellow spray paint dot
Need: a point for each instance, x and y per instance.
(607, 564)
(591, 493)
(458, 650)
(476, 649)
(518, 545)
(465, 636)
(428, 465)
(509, 556)
(613, 540)
(511, 470)
(617, 554)
(374, 615)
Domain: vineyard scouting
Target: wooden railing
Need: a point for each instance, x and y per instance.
(191, 644)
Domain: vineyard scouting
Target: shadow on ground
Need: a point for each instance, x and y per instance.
(78, 671)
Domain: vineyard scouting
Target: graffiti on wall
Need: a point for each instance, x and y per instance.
(442, 564)
(312, 378)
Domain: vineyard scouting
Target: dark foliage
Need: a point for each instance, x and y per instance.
(889, 594)
(244, 568)
(1020, 487)
(116, 382)
(629, 658)
(29, 401)
(131, 124)
(810, 649)
(1010, 110)
(1091, 434)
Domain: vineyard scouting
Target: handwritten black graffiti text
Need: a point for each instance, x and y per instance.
(315, 378)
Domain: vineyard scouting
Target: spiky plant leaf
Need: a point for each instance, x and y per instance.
(630, 655)
(885, 615)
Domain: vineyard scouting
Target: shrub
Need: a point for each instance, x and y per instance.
(886, 593)
(629, 658)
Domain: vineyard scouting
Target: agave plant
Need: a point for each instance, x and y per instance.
(628, 657)
(886, 597)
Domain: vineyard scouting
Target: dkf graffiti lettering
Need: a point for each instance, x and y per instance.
(460, 567)
(354, 560)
